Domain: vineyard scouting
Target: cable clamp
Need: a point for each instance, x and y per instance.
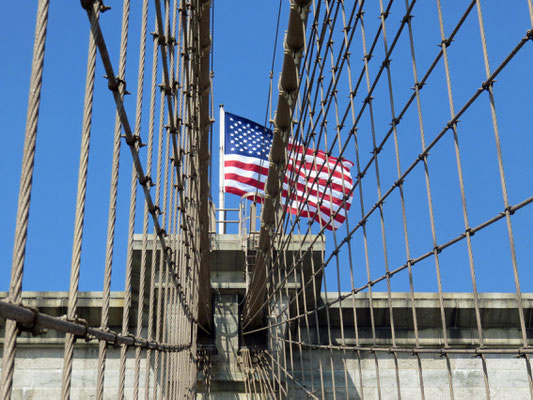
(368, 99)
(470, 232)
(487, 84)
(171, 40)
(446, 42)
(376, 150)
(419, 85)
(407, 18)
(85, 324)
(87, 4)
(134, 139)
(146, 180)
(135, 342)
(33, 326)
(115, 338)
(155, 210)
(451, 124)
(168, 91)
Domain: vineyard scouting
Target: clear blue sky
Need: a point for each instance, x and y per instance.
(243, 45)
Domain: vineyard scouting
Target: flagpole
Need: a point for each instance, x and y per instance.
(221, 213)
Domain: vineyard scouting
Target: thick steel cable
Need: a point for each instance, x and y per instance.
(397, 270)
(490, 91)
(384, 15)
(307, 56)
(527, 358)
(80, 212)
(177, 371)
(405, 266)
(131, 223)
(280, 273)
(128, 284)
(37, 320)
(517, 351)
(24, 198)
(454, 128)
(263, 370)
(161, 276)
(432, 224)
(167, 88)
(168, 180)
(110, 242)
(164, 288)
(173, 227)
(188, 301)
(359, 16)
(114, 84)
(383, 18)
(359, 115)
(182, 260)
(144, 180)
(293, 379)
(347, 42)
(144, 246)
(341, 318)
(174, 302)
(155, 248)
(246, 368)
(421, 156)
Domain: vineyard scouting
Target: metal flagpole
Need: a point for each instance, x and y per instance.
(221, 213)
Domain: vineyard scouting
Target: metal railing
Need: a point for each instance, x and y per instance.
(247, 218)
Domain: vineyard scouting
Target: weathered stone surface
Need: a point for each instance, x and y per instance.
(39, 361)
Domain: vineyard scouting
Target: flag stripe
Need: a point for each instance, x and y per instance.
(317, 168)
(346, 164)
(303, 193)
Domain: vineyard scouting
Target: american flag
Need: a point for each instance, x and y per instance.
(315, 186)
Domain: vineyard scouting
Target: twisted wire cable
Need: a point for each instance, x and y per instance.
(23, 209)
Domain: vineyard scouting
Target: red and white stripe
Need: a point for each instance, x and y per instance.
(315, 185)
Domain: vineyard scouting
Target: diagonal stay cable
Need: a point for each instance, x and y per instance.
(425, 153)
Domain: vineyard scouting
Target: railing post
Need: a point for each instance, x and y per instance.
(253, 211)
(221, 202)
(212, 218)
(241, 208)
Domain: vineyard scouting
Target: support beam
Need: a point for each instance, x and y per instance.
(289, 84)
(204, 295)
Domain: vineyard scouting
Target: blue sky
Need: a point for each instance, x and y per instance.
(243, 46)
